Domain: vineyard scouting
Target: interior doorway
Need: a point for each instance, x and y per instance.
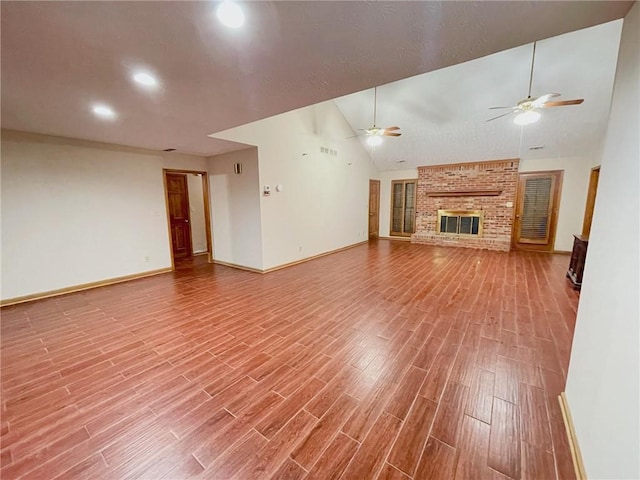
(188, 215)
(374, 208)
(536, 214)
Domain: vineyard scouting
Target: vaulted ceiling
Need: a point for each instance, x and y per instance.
(58, 58)
(443, 114)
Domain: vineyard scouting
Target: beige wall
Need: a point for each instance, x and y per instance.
(75, 212)
(324, 203)
(603, 383)
(235, 209)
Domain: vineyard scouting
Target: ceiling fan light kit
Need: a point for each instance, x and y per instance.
(527, 108)
(526, 118)
(374, 140)
(374, 134)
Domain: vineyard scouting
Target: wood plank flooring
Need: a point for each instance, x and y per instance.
(387, 360)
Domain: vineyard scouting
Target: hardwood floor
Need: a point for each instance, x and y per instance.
(388, 361)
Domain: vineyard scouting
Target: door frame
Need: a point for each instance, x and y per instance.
(557, 193)
(592, 192)
(377, 233)
(207, 210)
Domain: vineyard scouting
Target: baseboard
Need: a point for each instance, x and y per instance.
(290, 264)
(398, 239)
(303, 260)
(239, 267)
(78, 288)
(562, 252)
(196, 253)
(576, 456)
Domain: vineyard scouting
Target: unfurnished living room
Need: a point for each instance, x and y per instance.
(320, 240)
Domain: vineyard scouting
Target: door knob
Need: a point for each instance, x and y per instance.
(186, 220)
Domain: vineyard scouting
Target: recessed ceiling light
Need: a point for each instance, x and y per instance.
(230, 14)
(145, 79)
(104, 111)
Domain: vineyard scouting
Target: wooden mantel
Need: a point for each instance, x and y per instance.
(464, 193)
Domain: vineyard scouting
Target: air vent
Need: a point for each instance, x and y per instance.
(329, 151)
(169, 150)
(536, 147)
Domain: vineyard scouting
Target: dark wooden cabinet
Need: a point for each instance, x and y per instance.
(578, 255)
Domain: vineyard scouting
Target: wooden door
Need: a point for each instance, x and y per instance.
(537, 210)
(591, 200)
(178, 203)
(374, 208)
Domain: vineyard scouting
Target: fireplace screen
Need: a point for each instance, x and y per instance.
(460, 222)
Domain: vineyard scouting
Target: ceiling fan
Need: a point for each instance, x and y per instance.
(527, 108)
(374, 133)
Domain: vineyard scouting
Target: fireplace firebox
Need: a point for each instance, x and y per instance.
(460, 222)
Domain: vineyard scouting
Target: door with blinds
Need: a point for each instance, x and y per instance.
(537, 210)
(403, 207)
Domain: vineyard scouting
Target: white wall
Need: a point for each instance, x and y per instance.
(603, 388)
(75, 212)
(196, 214)
(324, 202)
(573, 197)
(385, 195)
(235, 209)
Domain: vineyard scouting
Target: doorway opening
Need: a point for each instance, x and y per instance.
(188, 216)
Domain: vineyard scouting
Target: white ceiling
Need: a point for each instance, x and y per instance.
(443, 114)
(59, 57)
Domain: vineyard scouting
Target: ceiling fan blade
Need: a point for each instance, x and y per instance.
(391, 134)
(562, 103)
(498, 108)
(544, 98)
(499, 116)
(392, 128)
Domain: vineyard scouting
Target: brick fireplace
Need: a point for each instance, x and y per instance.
(486, 187)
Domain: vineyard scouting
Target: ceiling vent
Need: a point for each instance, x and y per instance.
(536, 147)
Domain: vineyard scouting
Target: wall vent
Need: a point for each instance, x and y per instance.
(536, 147)
(169, 150)
(329, 151)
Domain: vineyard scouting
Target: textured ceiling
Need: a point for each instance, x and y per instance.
(442, 114)
(59, 57)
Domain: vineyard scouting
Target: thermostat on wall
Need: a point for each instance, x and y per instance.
(266, 190)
